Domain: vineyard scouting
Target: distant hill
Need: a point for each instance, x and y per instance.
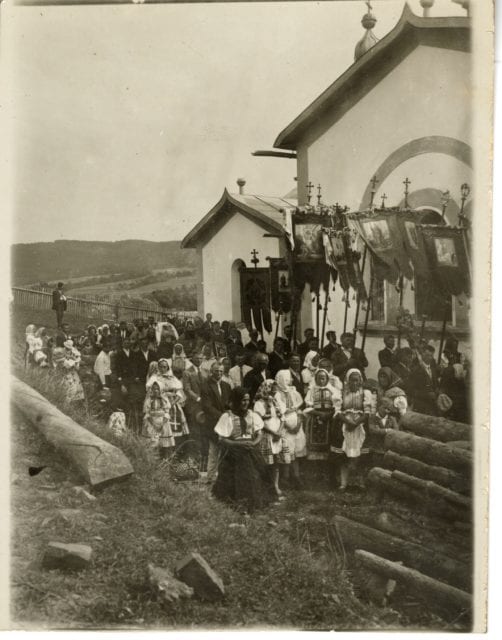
(65, 259)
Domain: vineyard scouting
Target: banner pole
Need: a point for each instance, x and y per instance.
(317, 315)
(346, 310)
(443, 330)
(400, 307)
(368, 305)
(358, 295)
(326, 296)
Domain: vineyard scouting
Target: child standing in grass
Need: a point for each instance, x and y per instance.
(156, 425)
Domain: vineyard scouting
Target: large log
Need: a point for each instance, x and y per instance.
(433, 491)
(440, 429)
(438, 594)
(440, 475)
(359, 536)
(386, 480)
(429, 451)
(98, 461)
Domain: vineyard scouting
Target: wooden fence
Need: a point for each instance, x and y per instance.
(95, 309)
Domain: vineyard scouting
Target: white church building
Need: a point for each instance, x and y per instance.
(400, 112)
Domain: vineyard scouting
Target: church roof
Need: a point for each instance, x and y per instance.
(374, 65)
(267, 211)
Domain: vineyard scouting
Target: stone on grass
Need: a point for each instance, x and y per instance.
(166, 586)
(197, 573)
(68, 557)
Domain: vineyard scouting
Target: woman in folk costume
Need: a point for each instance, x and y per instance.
(39, 347)
(156, 418)
(29, 343)
(273, 445)
(323, 402)
(310, 368)
(171, 389)
(242, 480)
(289, 402)
(178, 359)
(349, 430)
(388, 387)
(66, 362)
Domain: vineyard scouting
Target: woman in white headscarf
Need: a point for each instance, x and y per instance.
(178, 360)
(67, 362)
(172, 390)
(289, 402)
(310, 368)
(349, 433)
(323, 401)
(156, 418)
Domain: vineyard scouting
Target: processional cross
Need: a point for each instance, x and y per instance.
(319, 194)
(310, 186)
(384, 198)
(406, 192)
(255, 260)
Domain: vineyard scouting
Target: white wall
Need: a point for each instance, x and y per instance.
(235, 240)
(428, 94)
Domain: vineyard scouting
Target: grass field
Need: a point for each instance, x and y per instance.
(279, 567)
(112, 287)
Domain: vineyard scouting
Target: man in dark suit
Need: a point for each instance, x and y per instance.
(143, 357)
(258, 374)
(387, 356)
(290, 345)
(277, 360)
(252, 347)
(332, 347)
(423, 383)
(402, 368)
(304, 348)
(193, 379)
(215, 397)
(59, 303)
(295, 367)
(348, 357)
(64, 332)
(123, 375)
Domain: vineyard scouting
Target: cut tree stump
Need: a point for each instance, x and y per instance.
(98, 461)
(359, 536)
(442, 476)
(435, 428)
(439, 595)
(392, 482)
(429, 451)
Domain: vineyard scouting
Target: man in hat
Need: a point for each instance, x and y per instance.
(387, 356)
(348, 357)
(423, 383)
(59, 303)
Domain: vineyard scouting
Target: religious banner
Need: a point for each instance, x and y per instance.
(382, 234)
(413, 242)
(446, 249)
(307, 232)
(280, 285)
(255, 299)
(339, 254)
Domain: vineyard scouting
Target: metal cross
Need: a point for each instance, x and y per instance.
(319, 194)
(255, 260)
(368, 4)
(373, 183)
(310, 186)
(406, 192)
(384, 198)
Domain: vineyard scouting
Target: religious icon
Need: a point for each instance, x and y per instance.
(411, 231)
(445, 252)
(378, 234)
(283, 281)
(308, 238)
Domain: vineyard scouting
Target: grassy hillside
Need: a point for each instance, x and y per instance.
(65, 259)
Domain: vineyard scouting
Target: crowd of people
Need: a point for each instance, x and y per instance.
(255, 415)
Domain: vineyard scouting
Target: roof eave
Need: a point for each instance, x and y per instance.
(290, 136)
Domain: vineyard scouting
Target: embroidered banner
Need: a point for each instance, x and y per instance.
(446, 249)
(413, 242)
(280, 285)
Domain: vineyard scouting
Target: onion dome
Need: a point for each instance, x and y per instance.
(369, 39)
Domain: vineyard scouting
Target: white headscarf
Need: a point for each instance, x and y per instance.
(284, 380)
(308, 360)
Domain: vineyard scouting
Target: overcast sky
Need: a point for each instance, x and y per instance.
(131, 120)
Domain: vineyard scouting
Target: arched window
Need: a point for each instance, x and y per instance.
(236, 289)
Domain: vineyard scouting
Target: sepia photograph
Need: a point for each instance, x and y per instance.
(249, 308)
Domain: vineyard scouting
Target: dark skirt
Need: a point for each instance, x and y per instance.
(243, 479)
